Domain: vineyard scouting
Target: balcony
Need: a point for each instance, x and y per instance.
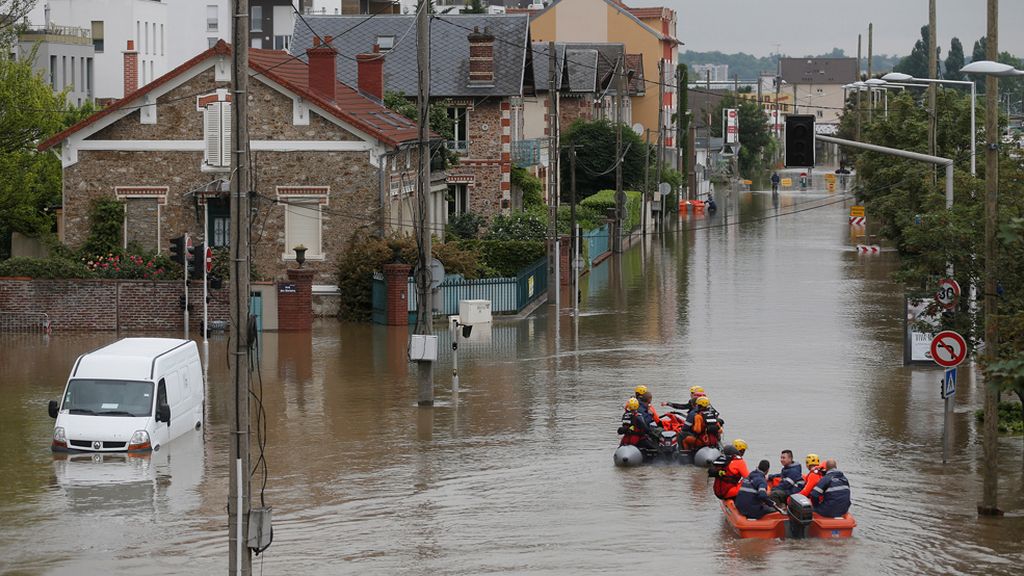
(55, 34)
(526, 152)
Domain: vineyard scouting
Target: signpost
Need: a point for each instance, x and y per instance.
(948, 350)
(947, 393)
(857, 217)
(948, 294)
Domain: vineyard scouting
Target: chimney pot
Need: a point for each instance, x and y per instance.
(322, 69)
(481, 58)
(130, 73)
(316, 41)
(370, 73)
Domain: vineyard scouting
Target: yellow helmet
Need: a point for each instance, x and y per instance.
(640, 390)
(739, 444)
(696, 390)
(703, 402)
(632, 404)
(813, 460)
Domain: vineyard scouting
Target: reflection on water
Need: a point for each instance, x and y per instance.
(796, 339)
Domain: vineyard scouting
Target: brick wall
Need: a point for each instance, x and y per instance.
(98, 305)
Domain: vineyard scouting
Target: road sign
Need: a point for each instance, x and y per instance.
(787, 182)
(949, 383)
(830, 177)
(948, 349)
(209, 259)
(858, 221)
(856, 211)
(948, 294)
(868, 249)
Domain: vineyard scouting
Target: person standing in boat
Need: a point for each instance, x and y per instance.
(831, 497)
(752, 500)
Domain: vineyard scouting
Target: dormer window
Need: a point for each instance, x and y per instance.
(216, 109)
(386, 43)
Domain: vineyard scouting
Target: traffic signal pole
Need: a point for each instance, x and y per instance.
(188, 242)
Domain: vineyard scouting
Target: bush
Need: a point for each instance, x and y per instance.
(504, 258)
(1011, 418)
(465, 226)
(133, 266)
(587, 217)
(47, 268)
(605, 200)
(106, 218)
(531, 187)
(531, 225)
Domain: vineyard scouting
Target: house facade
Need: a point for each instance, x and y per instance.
(816, 86)
(479, 68)
(323, 159)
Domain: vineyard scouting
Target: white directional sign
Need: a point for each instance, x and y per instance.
(948, 294)
(948, 349)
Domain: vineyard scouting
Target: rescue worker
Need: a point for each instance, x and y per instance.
(814, 474)
(635, 429)
(775, 182)
(788, 480)
(752, 499)
(729, 470)
(831, 496)
(644, 396)
(695, 392)
(695, 427)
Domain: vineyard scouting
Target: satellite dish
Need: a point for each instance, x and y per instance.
(639, 129)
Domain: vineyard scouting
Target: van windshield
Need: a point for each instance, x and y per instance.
(109, 398)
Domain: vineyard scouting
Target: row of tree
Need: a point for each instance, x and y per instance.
(916, 63)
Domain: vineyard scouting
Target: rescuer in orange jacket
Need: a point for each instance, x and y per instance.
(696, 433)
(814, 475)
(644, 396)
(730, 470)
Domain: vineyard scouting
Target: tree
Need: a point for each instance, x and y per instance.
(595, 158)
(954, 60)
(916, 64)
(474, 7)
(980, 47)
(12, 13)
(29, 179)
(754, 134)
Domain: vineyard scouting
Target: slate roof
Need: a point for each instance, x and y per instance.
(591, 66)
(818, 70)
(349, 106)
(449, 46)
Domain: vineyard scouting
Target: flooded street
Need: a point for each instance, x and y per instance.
(797, 339)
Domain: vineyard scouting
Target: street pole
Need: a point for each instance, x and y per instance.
(206, 283)
(990, 487)
(554, 255)
(188, 244)
(647, 172)
(575, 245)
(933, 71)
(648, 197)
(871, 93)
(620, 194)
(453, 330)
(682, 123)
(424, 297)
(240, 561)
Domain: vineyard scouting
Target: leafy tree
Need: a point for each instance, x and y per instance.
(465, 226)
(595, 158)
(754, 133)
(954, 60)
(12, 12)
(474, 7)
(980, 48)
(916, 64)
(529, 185)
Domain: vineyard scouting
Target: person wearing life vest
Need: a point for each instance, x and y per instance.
(752, 499)
(695, 392)
(729, 470)
(814, 474)
(635, 429)
(644, 396)
(831, 496)
(695, 427)
(788, 480)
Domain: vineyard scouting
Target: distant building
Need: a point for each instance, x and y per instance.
(816, 85)
(64, 54)
(719, 72)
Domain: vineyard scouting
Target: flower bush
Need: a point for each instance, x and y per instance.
(130, 266)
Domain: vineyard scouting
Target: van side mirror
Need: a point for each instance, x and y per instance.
(53, 407)
(163, 413)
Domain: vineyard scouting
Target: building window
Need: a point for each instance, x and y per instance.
(457, 199)
(145, 35)
(97, 36)
(459, 118)
(257, 43)
(385, 43)
(256, 19)
(211, 18)
(53, 72)
(218, 212)
(821, 114)
(303, 219)
(162, 53)
(282, 42)
(63, 71)
(217, 134)
(74, 75)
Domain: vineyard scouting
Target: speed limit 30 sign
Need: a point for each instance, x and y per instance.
(948, 293)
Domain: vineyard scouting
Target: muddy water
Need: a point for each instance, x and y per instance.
(796, 338)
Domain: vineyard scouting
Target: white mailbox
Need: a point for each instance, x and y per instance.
(423, 348)
(474, 312)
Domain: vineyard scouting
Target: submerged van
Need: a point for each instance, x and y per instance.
(136, 394)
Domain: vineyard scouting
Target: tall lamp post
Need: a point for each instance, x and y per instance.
(992, 70)
(901, 77)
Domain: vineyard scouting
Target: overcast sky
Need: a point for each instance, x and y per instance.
(801, 27)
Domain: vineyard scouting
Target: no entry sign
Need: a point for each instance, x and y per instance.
(948, 349)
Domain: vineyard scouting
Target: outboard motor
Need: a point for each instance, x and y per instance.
(668, 444)
(801, 513)
(628, 455)
(705, 456)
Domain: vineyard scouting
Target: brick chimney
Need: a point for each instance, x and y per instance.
(371, 73)
(131, 69)
(322, 69)
(481, 57)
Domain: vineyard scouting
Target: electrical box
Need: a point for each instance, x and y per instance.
(261, 531)
(423, 348)
(474, 312)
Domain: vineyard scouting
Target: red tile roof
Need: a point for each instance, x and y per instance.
(348, 106)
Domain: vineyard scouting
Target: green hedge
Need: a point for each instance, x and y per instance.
(47, 268)
(504, 258)
(605, 199)
(119, 266)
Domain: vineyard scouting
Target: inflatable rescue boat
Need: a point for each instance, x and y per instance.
(798, 522)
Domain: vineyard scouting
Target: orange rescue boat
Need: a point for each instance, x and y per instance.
(800, 522)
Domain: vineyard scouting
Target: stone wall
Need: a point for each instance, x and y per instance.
(108, 305)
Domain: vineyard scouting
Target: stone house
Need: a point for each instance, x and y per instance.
(480, 71)
(326, 160)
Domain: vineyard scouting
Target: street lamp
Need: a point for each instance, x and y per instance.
(901, 77)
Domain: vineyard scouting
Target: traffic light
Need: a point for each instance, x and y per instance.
(178, 249)
(193, 270)
(800, 141)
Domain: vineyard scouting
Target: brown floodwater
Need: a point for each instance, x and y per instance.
(796, 338)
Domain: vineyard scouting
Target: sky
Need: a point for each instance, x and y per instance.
(802, 27)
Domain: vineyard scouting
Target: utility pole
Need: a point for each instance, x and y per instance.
(707, 129)
(647, 173)
(574, 246)
(554, 246)
(240, 561)
(933, 72)
(682, 123)
(990, 487)
(424, 296)
(620, 194)
(858, 89)
(661, 142)
(871, 94)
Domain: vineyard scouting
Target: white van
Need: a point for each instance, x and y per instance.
(136, 394)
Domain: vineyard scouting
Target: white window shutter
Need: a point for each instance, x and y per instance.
(225, 131)
(214, 148)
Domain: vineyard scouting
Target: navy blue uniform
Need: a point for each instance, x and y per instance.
(834, 491)
(752, 500)
(789, 479)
